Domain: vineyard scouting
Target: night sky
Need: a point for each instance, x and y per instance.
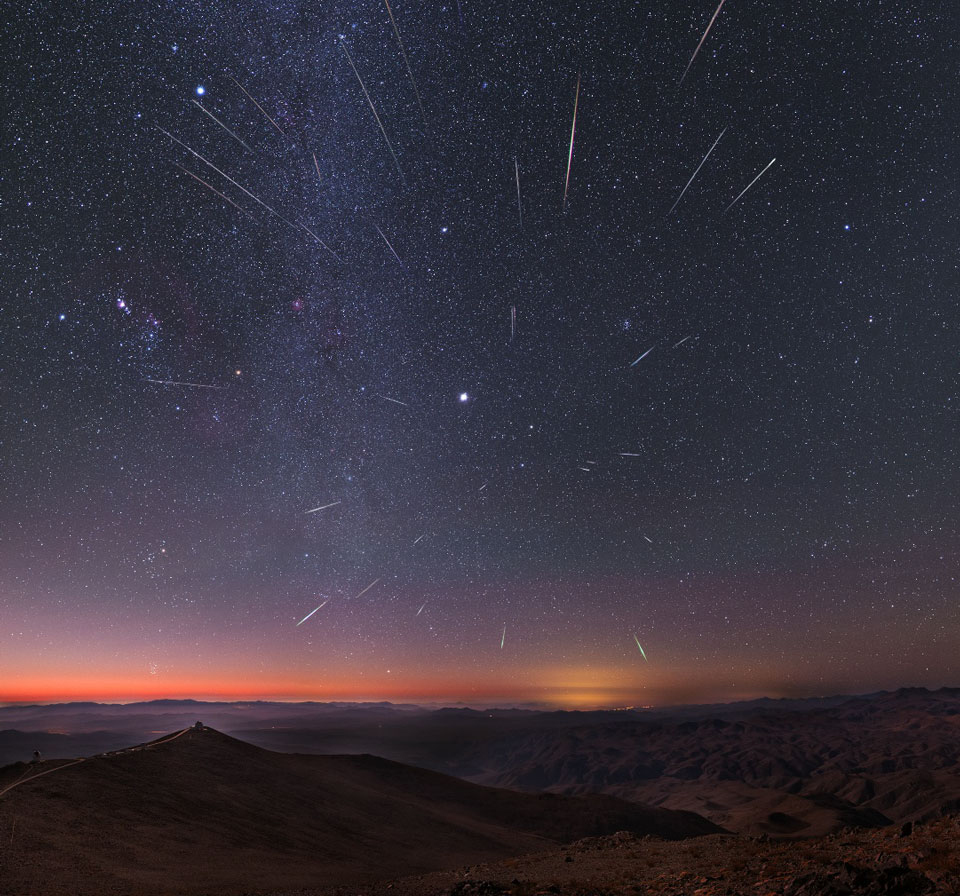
(229, 298)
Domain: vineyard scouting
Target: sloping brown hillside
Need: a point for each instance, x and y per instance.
(201, 812)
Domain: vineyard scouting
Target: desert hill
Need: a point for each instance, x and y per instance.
(201, 812)
(797, 768)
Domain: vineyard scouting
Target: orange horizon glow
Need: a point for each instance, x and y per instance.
(556, 694)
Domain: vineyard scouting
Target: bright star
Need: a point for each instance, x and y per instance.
(201, 90)
(464, 396)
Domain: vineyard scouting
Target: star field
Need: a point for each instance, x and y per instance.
(279, 322)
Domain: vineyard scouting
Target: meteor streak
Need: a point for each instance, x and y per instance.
(219, 122)
(407, 63)
(227, 176)
(321, 242)
(365, 590)
(255, 103)
(421, 537)
(325, 506)
(573, 130)
(629, 454)
(503, 637)
(513, 321)
(316, 165)
(179, 383)
(394, 400)
(692, 176)
(420, 610)
(649, 540)
(702, 39)
(644, 355)
(212, 188)
(749, 185)
(374, 111)
(678, 344)
(388, 244)
(516, 170)
(305, 618)
(635, 638)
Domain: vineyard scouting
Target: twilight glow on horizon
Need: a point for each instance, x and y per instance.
(461, 353)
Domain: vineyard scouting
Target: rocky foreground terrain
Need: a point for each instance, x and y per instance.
(892, 861)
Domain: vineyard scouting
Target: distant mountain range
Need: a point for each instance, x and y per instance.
(795, 768)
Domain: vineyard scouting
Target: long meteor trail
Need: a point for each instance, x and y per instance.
(635, 638)
(305, 618)
(516, 171)
(197, 155)
(388, 244)
(212, 188)
(702, 39)
(255, 103)
(749, 185)
(365, 590)
(325, 506)
(374, 111)
(406, 62)
(644, 355)
(219, 122)
(321, 242)
(573, 130)
(180, 383)
(695, 173)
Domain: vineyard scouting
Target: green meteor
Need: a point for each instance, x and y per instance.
(635, 638)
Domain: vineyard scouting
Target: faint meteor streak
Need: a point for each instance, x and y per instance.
(644, 355)
(635, 638)
(305, 618)
(421, 537)
(692, 176)
(420, 610)
(648, 540)
(365, 590)
(212, 188)
(513, 321)
(255, 103)
(702, 39)
(374, 111)
(325, 506)
(406, 62)
(503, 637)
(180, 383)
(316, 165)
(482, 487)
(678, 344)
(749, 185)
(320, 241)
(194, 153)
(388, 244)
(629, 454)
(394, 400)
(573, 130)
(516, 170)
(219, 122)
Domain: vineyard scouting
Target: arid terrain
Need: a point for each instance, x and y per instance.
(805, 792)
(200, 812)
